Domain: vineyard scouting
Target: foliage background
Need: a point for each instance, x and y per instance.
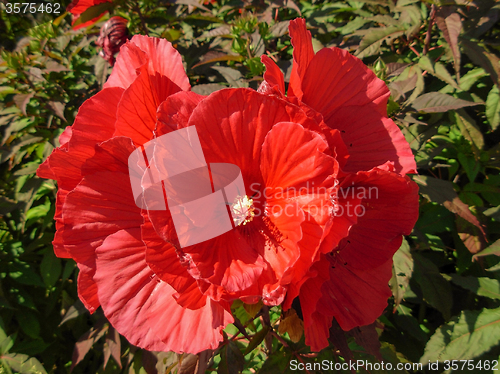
(441, 62)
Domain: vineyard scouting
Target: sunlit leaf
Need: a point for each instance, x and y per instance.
(435, 102)
(449, 22)
(481, 286)
(467, 336)
(493, 107)
(401, 272)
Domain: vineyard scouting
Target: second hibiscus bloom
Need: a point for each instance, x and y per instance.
(305, 159)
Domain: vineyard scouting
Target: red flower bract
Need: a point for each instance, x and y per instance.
(327, 200)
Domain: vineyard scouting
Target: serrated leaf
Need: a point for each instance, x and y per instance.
(469, 129)
(232, 360)
(450, 23)
(85, 343)
(218, 31)
(279, 29)
(402, 272)
(437, 102)
(435, 288)
(367, 337)
(58, 109)
(493, 249)
(22, 101)
(467, 336)
(483, 58)
(493, 107)
(232, 76)
(256, 340)
(374, 38)
(74, 311)
(23, 364)
(481, 286)
(112, 347)
(438, 70)
(292, 324)
(441, 191)
(471, 77)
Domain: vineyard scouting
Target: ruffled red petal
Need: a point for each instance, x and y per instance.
(142, 307)
(99, 206)
(93, 124)
(353, 297)
(136, 115)
(388, 209)
(157, 55)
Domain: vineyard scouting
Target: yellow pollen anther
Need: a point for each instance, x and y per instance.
(242, 210)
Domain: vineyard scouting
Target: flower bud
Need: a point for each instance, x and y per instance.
(113, 35)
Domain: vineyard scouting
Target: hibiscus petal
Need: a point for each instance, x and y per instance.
(93, 124)
(163, 260)
(99, 206)
(293, 161)
(233, 123)
(353, 297)
(124, 73)
(273, 78)
(388, 210)
(174, 113)
(136, 115)
(156, 54)
(87, 288)
(142, 308)
(303, 53)
(353, 100)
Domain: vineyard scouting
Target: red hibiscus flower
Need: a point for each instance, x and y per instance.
(352, 281)
(79, 7)
(293, 228)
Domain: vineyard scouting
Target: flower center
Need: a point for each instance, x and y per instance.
(242, 210)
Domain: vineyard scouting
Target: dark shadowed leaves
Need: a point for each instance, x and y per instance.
(436, 290)
(232, 360)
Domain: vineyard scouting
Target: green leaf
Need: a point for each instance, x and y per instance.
(92, 13)
(50, 268)
(467, 336)
(483, 58)
(373, 39)
(256, 340)
(442, 192)
(438, 70)
(493, 107)
(481, 286)
(493, 249)
(402, 270)
(436, 102)
(435, 288)
(23, 364)
(472, 76)
(28, 321)
(450, 23)
(23, 273)
(469, 129)
(232, 360)
(278, 362)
